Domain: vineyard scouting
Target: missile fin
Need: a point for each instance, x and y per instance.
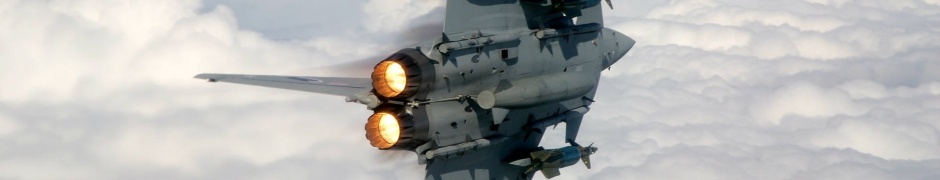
(541, 155)
(550, 172)
(587, 161)
(522, 162)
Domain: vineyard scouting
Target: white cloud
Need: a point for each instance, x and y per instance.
(827, 90)
(663, 33)
(883, 138)
(255, 137)
(805, 100)
(694, 12)
(860, 89)
(104, 90)
(389, 16)
(8, 125)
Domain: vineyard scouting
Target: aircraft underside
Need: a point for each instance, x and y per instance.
(475, 102)
(486, 163)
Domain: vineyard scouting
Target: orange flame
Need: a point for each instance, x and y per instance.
(382, 130)
(389, 78)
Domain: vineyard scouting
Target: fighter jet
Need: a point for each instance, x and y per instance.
(474, 103)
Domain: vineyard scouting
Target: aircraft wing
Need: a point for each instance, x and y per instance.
(326, 85)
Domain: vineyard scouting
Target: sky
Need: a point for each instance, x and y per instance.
(713, 89)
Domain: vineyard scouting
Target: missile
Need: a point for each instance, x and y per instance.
(550, 160)
(536, 90)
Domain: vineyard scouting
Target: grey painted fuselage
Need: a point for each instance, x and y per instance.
(556, 68)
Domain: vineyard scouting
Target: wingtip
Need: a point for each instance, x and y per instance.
(208, 77)
(201, 76)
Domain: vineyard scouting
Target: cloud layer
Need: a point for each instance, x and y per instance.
(774, 90)
(715, 89)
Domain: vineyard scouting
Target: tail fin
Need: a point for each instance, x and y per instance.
(550, 172)
(586, 152)
(587, 161)
(586, 155)
(541, 155)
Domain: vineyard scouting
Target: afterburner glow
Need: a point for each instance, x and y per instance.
(395, 77)
(388, 128)
(383, 130)
(389, 78)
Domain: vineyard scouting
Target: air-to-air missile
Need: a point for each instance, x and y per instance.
(550, 160)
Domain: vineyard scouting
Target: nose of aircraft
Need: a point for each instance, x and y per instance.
(623, 44)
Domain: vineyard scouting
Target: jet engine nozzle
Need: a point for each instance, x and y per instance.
(383, 130)
(389, 78)
(392, 128)
(402, 75)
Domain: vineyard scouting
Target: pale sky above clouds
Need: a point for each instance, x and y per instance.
(714, 89)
